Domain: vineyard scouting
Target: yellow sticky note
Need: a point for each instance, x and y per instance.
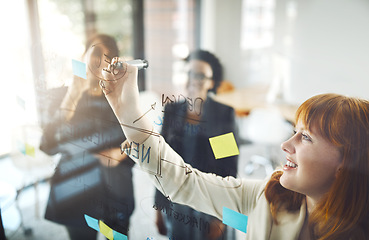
(30, 150)
(224, 145)
(106, 230)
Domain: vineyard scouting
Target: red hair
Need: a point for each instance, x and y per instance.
(343, 212)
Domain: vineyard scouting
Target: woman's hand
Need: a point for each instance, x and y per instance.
(120, 86)
(79, 85)
(160, 224)
(73, 95)
(121, 90)
(217, 229)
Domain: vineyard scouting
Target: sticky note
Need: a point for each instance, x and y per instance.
(224, 145)
(79, 69)
(235, 219)
(30, 150)
(92, 222)
(21, 147)
(106, 230)
(119, 236)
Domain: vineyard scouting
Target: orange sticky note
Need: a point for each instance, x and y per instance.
(224, 145)
(106, 230)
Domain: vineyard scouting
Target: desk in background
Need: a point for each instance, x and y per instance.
(245, 99)
(258, 127)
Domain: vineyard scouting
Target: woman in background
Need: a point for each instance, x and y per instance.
(92, 176)
(321, 193)
(187, 127)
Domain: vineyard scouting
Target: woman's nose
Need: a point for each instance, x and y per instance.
(287, 146)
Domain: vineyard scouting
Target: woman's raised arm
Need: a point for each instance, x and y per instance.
(177, 180)
(121, 90)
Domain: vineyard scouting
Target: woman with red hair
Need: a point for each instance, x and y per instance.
(321, 193)
(328, 169)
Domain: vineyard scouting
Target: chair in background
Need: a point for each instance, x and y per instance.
(33, 167)
(9, 216)
(268, 128)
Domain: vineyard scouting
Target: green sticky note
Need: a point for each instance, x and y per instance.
(106, 230)
(224, 145)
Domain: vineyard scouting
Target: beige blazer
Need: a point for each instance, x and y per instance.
(209, 193)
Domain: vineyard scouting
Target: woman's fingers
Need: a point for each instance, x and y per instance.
(106, 87)
(112, 75)
(120, 85)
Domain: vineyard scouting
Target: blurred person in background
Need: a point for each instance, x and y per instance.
(187, 127)
(92, 177)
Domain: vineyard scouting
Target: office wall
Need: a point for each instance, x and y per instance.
(221, 24)
(330, 49)
(322, 46)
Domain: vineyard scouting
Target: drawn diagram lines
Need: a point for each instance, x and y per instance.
(152, 108)
(188, 170)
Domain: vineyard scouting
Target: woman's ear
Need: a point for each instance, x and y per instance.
(339, 169)
(210, 85)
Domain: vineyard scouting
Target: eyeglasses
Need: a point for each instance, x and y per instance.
(197, 76)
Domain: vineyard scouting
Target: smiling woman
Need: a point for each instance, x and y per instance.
(322, 193)
(327, 161)
(312, 163)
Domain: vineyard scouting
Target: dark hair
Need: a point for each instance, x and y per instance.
(214, 63)
(93, 47)
(107, 40)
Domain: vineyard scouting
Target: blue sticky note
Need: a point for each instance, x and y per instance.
(21, 147)
(119, 236)
(92, 222)
(79, 69)
(235, 219)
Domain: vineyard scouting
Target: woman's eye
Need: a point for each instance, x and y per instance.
(305, 137)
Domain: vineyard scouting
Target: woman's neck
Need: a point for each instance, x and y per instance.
(311, 203)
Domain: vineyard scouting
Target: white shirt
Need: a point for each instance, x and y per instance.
(209, 193)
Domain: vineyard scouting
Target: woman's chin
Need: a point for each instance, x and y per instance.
(285, 181)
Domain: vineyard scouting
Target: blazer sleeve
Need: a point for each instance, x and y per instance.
(183, 184)
(223, 121)
(231, 163)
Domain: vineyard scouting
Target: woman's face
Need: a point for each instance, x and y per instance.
(200, 79)
(97, 57)
(312, 162)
